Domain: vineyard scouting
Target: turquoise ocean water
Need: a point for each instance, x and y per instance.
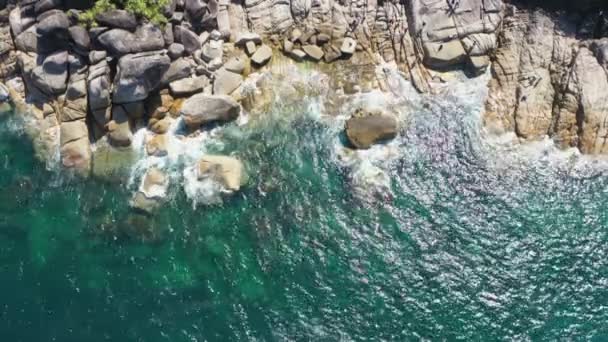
(473, 241)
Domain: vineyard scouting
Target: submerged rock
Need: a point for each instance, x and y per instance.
(138, 75)
(152, 191)
(227, 171)
(366, 128)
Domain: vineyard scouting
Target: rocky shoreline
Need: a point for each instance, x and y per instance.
(83, 88)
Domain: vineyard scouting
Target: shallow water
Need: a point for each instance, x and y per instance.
(473, 238)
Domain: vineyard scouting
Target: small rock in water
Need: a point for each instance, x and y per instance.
(226, 170)
(157, 146)
(366, 128)
(152, 191)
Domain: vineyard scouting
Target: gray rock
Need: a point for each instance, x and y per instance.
(322, 38)
(300, 9)
(52, 76)
(45, 5)
(177, 17)
(236, 65)
(120, 42)
(188, 86)
(97, 56)
(194, 9)
(204, 37)
(187, 38)
(212, 50)
(180, 68)
(215, 35)
(99, 88)
(19, 21)
(244, 37)
(168, 35)
(226, 82)
(80, 37)
(53, 23)
(313, 52)
(262, 55)
(117, 18)
(176, 51)
(201, 109)
(139, 74)
(27, 40)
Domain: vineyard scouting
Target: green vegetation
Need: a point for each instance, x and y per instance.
(152, 10)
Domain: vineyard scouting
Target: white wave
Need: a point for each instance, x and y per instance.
(204, 191)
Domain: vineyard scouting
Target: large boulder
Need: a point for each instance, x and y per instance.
(55, 22)
(139, 74)
(225, 170)
(52, 31)
(51, 77)
(366, 128)
(120, 42)
(81, 39)
(201, 109)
